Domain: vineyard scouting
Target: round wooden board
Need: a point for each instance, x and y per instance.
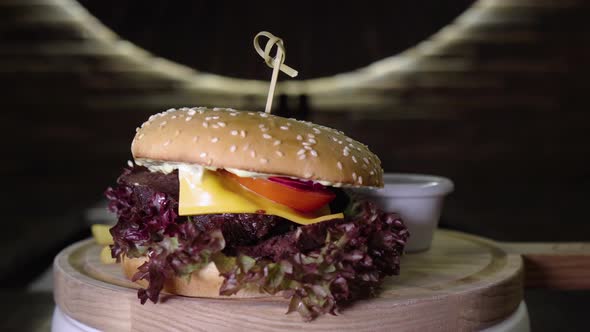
(462, 283)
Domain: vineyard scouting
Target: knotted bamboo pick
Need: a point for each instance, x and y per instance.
(276, 63)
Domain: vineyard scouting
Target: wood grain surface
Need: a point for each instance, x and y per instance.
(563, 266)
(462, 283)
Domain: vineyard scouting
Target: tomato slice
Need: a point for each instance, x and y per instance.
(292, 193)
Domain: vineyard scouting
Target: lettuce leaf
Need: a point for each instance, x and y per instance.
(358, 253)
(319, 267)
(182, 257)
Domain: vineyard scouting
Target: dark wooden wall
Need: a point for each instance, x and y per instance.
(321, 38)
(501, 109)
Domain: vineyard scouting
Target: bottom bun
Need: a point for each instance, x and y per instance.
(203, 283)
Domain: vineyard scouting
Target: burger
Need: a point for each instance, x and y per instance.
(220, 202)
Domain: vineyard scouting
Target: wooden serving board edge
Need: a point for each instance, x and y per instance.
(68, 294)
(503, 293)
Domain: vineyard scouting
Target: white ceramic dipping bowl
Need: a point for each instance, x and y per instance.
(417, 198)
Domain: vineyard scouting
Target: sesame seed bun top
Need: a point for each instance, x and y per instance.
(257, 142)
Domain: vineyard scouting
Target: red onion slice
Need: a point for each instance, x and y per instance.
(299, 184)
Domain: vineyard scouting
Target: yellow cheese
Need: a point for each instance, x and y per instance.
(210, 192)
(101, 234)
(105, 256)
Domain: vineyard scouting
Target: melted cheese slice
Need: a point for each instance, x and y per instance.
(213, 193)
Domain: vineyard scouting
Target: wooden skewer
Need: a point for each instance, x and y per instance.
(276, 63)
(273, 80)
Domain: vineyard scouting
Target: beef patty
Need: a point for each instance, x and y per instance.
(257, 235)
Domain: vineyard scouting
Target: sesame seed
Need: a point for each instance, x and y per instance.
(301, 157)
(233, 148)
(306, 144)
(195, 138)
(203, 154)
(312, 141)
(234, 132)
(167, 143)
(263, 160)
(358, 148)
(215, 126)
(300, 152)
(313, 153)
(221, 124)
(360, 179)
(266, 136)
(215, 117)
(253, 153)
(340, 142)
(307, 174)
(307, 147)
(348, 139)
(288, 124)
(188, 118)
(334, 139)
(345, 152)
(214, 140)
(243, 133)
(372, 173)
(191, 112)
(139, 137)
(163, 123)
(251, 113)
(354, 176)
(205, 124)
(299, 137)
(263, 129)
(284, 128)
(279, 153)
(316, 130)
(277, 142)
(173, 117)
(233, 114)
(216, 109)
(129, 163)
(264, 115)
(366, 160)
(311, 135)
(207, 118)
(354, 159)
(339, 164)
